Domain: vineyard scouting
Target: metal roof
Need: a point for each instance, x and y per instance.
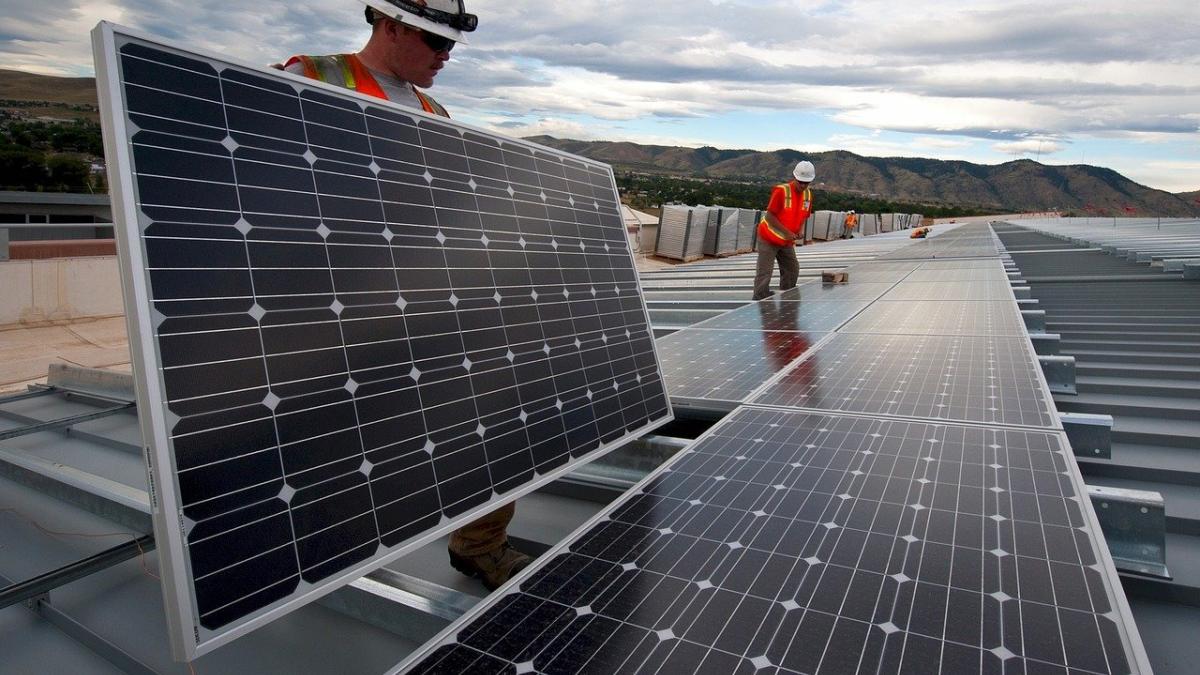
(1134, 331)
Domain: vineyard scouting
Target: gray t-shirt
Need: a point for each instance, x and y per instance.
(397, 90)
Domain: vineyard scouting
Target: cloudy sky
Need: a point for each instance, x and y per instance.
(1106, 82)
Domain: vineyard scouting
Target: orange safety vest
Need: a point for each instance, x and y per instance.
(791, 213)
(345, 70)
(851, 221)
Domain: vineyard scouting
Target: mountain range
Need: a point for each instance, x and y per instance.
(1021, 185)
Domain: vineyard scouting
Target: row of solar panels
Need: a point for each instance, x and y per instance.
(689, 233)
(899, 497)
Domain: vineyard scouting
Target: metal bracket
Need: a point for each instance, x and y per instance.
(1059, 372)
(1035, 320)
(1022, 292)
(1045, 344)
(1090, 435)
(1134, 523)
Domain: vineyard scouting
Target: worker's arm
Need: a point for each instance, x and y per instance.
(777, 226)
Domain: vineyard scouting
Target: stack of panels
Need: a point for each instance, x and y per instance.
(354, 326)
(896, 502)
(647, 238)
(869, 224)
(721, 238)
(681, 233)
(817, 226)
(747, 229)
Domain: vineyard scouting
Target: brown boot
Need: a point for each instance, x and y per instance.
(494, 567)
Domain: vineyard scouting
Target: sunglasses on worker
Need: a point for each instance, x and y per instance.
(436, 42)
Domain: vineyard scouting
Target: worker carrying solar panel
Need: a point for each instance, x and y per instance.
(410, 43)
(781, 228)
(849, 225)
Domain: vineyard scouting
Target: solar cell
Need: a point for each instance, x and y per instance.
(776, 314)
(994, 273)
(928, 317)
(355, 325)
(726, 366)
(793, 542)
(972, 379)
(854, 290)
(955, 291)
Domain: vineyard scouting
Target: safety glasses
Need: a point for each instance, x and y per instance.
(436, 42)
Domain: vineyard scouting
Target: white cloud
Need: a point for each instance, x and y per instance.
(1029, 146)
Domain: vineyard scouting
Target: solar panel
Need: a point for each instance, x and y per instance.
(723, 367)
(991, 380)
(868, 274)
(775, 314)
(927, 317)
(793, 542)
(958, 291)
(993, 273)
(854, 290)
(355, 326)
(942, 265)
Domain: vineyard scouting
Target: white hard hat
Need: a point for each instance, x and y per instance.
(447, 18)
(804, 171)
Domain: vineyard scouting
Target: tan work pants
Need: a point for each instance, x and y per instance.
(789, 268)
(484, 534)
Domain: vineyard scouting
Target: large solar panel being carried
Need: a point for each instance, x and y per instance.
(354, 326)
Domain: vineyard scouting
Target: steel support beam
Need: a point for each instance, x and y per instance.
(44, 583)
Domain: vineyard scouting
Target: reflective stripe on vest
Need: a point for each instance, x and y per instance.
(787, 237)
(346, 70)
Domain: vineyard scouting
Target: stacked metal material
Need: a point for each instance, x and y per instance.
(681, 233)
(869, 224)
(747, 229)
(721, 239)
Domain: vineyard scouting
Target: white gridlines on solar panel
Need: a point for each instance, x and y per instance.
(357, 327)
(991, 380)
(726, 365)
(775, 314)
(938, 318)
(813, 543)
(951, 291)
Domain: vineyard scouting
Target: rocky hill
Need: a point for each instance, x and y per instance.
(1021, 185)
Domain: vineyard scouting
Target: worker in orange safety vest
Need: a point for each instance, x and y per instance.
(849, 225)
(410, 42)
(781, 228)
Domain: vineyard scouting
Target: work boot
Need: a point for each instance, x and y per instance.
(494, 567)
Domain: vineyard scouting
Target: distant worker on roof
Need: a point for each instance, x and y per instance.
(850, 224)
(781, 228)
(410, 42)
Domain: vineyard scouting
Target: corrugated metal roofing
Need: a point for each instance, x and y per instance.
(1134, 331)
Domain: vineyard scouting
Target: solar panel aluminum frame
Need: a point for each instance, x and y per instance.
(188, 638)
(1130, 635)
